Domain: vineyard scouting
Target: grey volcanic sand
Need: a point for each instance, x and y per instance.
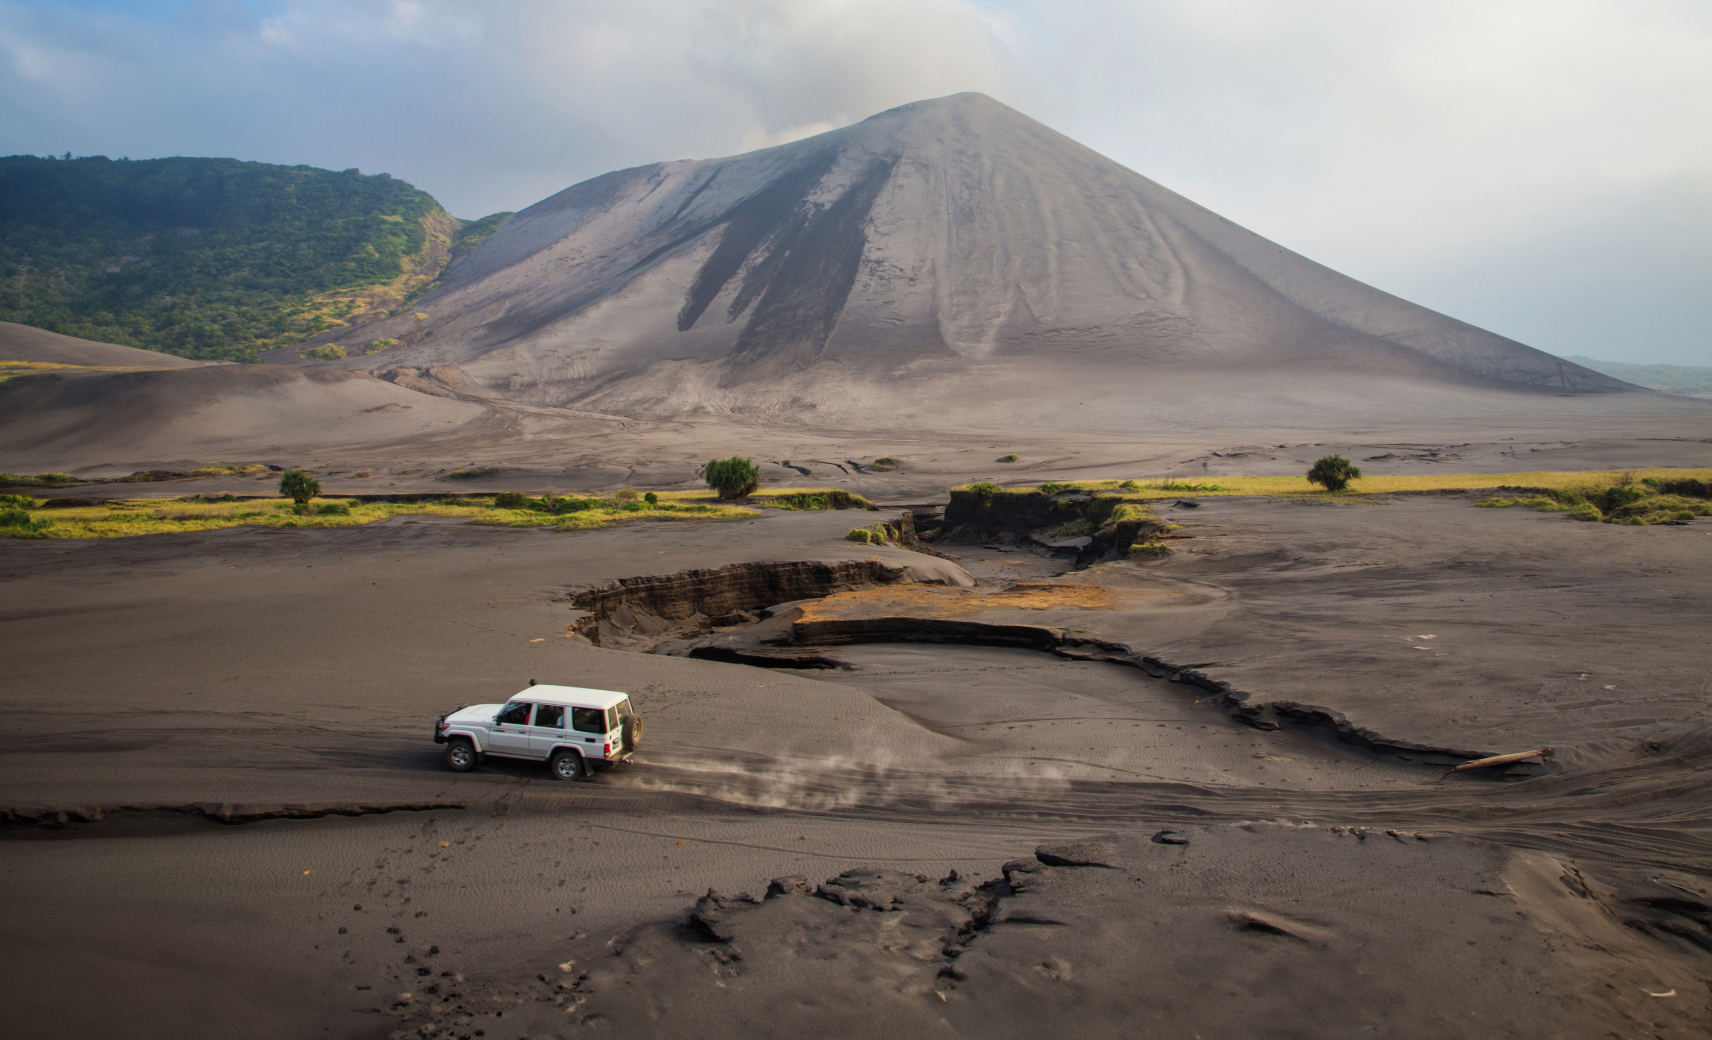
(244, 673)
(27, 343)
(1066, 418)
(947, 256)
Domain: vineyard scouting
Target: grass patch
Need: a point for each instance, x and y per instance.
(1623, 501)
(137, 517)
(36, 479)
(1381, 484)
(9, 369)
(810, 499)
(247, 469)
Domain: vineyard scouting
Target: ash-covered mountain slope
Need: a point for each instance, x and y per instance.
(931, 250)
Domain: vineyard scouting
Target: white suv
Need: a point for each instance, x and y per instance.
(570, 728)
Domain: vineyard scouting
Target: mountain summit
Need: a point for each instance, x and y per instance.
(941, 249)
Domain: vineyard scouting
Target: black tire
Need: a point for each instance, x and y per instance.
(460, 755)
(632, 731)
(566, 765)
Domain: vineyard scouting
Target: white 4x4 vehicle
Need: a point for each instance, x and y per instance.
(571, 729)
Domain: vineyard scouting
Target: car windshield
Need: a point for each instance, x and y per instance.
(514, 714)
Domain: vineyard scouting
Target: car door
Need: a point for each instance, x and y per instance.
(510, 732)
(548, 732)
(588, 726)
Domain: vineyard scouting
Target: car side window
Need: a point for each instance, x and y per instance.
(514, 714)
(551, 716)
(611, 718)
(588, 720)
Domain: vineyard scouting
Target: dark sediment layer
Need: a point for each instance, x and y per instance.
(678, 614)
(1267, 715)
(1009, 517)
(218, 812)
(657, 607)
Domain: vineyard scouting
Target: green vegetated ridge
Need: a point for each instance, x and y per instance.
(1636, 503)
(1681, 379)
(213, 258)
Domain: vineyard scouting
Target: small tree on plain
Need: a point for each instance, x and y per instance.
(736, 477)
(299, 486)
(1334, 472)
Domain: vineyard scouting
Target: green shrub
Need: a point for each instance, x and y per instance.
(735, 477)
(985, 490)
(884, 463)
(325, 352)
(16, 523)
(1110, 509)
(1148, 551)
(1007, 458)
(1613, 498)
(651, 498)
(570, 504)
(21, 502)
(298, 486)
(511, 500)
(860, 534)
(625, 496)
(1129, 485)
(332, 509)
(1333, 472)
(1052, 487)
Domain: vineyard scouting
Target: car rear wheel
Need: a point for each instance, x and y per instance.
(566, 765)
(460, 756)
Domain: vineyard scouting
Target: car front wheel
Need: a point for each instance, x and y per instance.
(566, 765)
(460, 756)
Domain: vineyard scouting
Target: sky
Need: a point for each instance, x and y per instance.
(1541, 168)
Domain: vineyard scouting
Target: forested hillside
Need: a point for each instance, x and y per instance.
(213, 258)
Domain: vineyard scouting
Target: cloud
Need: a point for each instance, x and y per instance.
(1447, 152)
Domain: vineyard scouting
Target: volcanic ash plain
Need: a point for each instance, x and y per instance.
(1198, 794)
